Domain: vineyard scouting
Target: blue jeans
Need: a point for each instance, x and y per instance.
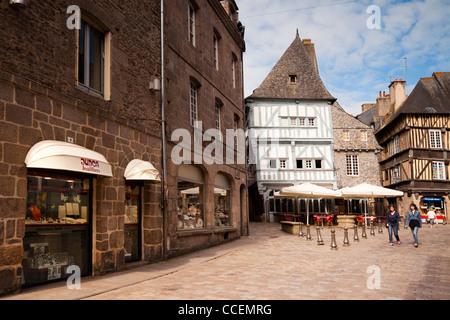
(393, 229)
(415, 234)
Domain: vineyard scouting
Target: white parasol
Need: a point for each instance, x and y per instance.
(367, 191)
(308, 191)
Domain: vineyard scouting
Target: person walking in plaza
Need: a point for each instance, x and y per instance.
(414, 221)
(392, 222)
(431, 215)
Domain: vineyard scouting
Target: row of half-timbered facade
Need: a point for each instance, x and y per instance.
(416, 144)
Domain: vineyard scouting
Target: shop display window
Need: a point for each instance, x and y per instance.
(222, 205)
(57, 229)
(132, 223)
(190, 206)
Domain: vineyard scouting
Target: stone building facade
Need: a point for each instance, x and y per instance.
(355, 158)
(352, 138)
(89, 88)
(42, 99)
(205, 84)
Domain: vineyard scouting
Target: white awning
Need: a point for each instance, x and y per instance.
(138, 170)
(57, 155)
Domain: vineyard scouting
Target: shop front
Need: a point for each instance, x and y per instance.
(58, 225)
(434, 202)
(137, 174)
(222, 201)
(190, 198)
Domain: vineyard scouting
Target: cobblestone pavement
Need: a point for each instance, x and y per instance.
(271, 265)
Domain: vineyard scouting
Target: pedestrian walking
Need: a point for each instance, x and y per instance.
(431, 215)
(393, 222)
(414, 221)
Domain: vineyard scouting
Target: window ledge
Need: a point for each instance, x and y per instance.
(191, 233)
(225, 230)
(90, 91)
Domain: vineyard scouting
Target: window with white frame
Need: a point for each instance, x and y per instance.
(272, 164)
(283, 164)
(293, 122)
(236, 128)
(216, 40)
(318, 164)
(438, 170)
(194, 103)
(234, 70)
(312, 122)
(191, 23)
(346, 135)
(302, 122)
(435, 139)
(352, 166)
(218, 108)
(284, 121)
(394, 146)
(308, 164)
(363, 135)
(395, 174)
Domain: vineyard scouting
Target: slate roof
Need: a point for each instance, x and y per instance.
(295, 61)
(367, 117)
(430, 96)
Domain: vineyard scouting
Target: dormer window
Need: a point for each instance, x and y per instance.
(293, 79)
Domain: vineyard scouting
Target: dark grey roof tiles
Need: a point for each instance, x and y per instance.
(430, 96)
(308, 85)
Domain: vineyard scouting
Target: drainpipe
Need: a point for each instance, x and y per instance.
(163, 138)
(247, 145)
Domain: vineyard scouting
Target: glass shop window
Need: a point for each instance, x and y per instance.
(190, 205)
(132, 223)
(57, 227)
(222, 205)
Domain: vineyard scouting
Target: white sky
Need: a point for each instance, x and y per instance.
(355, 63)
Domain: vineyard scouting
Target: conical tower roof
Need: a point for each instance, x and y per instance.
(296, 63)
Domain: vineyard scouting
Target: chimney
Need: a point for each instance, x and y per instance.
(397, 92)
(309, 46)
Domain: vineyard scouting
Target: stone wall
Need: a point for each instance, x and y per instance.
(186, 63)
(39, 101)
(369, 171)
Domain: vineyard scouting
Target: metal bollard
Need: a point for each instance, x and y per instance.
(356, 237)
(346, 241)
(301, 234)
(308, 233)
(319, 237)
(380, 229)
(372, 229)
(364, 234)
(334, 245)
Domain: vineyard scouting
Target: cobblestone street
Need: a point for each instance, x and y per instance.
(271, 265)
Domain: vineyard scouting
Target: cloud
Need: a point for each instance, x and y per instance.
(355, 63)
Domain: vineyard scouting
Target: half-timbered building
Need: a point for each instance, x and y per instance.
(290, 128)
(416, 144)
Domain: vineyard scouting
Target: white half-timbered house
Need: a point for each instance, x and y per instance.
(291, 130)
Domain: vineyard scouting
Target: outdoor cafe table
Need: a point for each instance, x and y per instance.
(361, 219)
(321, 217)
